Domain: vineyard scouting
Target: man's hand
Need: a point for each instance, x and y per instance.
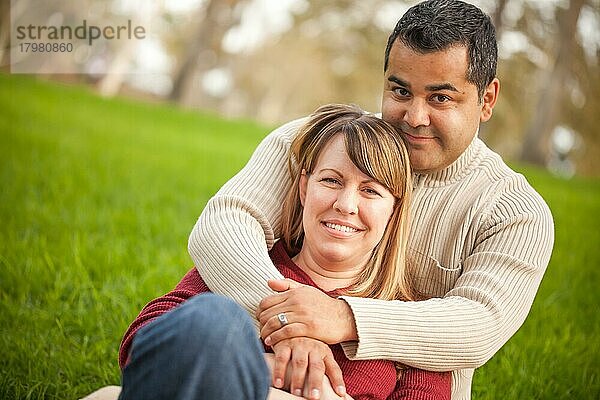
(310, 312)
(304, 362)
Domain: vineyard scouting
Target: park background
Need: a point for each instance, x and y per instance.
(105, 169)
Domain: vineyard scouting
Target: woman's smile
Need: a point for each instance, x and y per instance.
(345, 212)
(341, 229)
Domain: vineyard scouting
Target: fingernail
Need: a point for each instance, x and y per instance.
(268, 341)
(314, 394)
(341, 390)
(278, 383)
(297, 392)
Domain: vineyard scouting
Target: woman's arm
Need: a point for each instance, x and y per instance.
(189, 286)
(418, 384)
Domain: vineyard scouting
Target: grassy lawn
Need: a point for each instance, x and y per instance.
(97, 198)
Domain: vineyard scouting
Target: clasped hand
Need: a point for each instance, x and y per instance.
(314, 320)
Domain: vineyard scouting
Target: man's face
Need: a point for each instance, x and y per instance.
(436, 110)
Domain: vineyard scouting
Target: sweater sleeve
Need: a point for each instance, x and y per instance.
(485, 307)
(191, 285)
(230, 241)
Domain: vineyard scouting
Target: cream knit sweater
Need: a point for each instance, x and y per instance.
(481, 239)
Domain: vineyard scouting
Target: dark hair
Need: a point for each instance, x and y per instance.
(436, 25)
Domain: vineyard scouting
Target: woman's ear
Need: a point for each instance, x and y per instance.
(302, 183)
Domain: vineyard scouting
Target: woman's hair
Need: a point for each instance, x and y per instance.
(377, 150)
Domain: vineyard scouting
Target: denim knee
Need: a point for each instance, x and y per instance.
(207, 345)
(209, 315)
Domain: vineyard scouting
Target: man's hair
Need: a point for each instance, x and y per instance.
(377, 150)
(437, 25)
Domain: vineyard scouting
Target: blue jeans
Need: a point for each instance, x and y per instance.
(206, 348)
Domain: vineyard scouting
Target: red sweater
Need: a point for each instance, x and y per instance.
(365, 380)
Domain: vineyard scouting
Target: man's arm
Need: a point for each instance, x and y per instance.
(486, 306)
(230, 241)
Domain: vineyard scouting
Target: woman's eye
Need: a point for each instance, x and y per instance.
(372, 192)
(332, 181)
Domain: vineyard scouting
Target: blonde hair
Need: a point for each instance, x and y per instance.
(377, 150)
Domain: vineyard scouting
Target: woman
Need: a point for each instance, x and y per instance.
(345, 232)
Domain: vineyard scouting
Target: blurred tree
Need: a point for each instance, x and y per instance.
(120, 64)
(497, 16)
(332, 53)
(214, 18)
(4, 32)
(551, 98)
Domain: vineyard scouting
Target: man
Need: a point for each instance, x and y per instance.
(481, 237)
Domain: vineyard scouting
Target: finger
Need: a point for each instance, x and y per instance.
(269, 326)
(289, 331)
(316, 373)
(282, 358)
(281, 285)
(265, 316)
(273, 324)
(299, 364)
(334, 373)
(271, 301)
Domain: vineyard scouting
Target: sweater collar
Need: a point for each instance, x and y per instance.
(455, 171)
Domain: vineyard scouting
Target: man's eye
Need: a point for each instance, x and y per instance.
(402, 92)
(440, 98)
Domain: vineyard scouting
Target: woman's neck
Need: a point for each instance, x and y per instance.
(327, 275)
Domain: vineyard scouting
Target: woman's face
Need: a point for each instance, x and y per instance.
(345, 211)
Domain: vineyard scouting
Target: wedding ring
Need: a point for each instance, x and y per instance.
(282, 319)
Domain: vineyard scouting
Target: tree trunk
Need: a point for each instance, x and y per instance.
(497, 16)
(6, 8)
(116, 72)
(212, 26)
(536, 144)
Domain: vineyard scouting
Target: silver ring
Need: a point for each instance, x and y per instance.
(282, 319)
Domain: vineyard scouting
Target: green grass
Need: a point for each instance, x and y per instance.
(97, 198)
(555, 355)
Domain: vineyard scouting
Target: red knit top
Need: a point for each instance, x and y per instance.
(365, 379)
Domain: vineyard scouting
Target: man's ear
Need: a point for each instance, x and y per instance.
(489, 100)
(302, 183)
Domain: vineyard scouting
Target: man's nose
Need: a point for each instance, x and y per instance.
(417, 113)
(347, 202)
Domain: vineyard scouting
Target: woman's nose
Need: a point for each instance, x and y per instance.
(347, 202)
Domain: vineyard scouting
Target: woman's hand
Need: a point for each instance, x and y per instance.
(310, 312)
(328, 394)
(300, 365)
(277, 394)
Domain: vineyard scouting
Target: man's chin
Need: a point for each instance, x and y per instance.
(418, 159)
(421, 165)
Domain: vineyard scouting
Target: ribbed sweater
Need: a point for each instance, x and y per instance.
(364, 379)
(481, 238)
